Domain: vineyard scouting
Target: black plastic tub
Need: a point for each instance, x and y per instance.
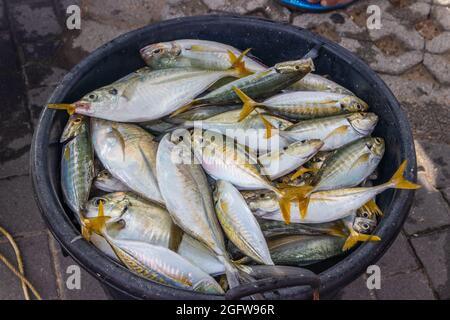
(272, 42)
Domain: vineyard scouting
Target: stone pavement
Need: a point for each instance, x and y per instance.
(411, 52)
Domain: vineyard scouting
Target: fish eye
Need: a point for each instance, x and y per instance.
(122, 223)
(157, 51)
(77, 120)
(365, 214)
(92, 96)
(378, 140)
(365, 226)
(297, 67)
(113, 91)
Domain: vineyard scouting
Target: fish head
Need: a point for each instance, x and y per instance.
(304, 148)
(364, 225)
(103, 176)
(354, 104)
(75, 125)
(363, 122)
(376, 146)
(302, 66)
(261, 200)
(114, 205)
(99, 101)
(209, 286)
(161, 55)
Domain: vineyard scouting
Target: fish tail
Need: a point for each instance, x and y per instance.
(238, 63)
(288, 194)
(248, 103)
(300, 172)
(231, 272)
(96, 224)
(372, 208)
(69, 107)
(398, 181)
(269, 127)
(184, 108)
(354, 237)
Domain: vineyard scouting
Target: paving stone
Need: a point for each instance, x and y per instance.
(434, 158)
(406, 35)
(390, 262)
(38, 98)
(442, 2)
(43, 75)
(38, 265)
(442, 16)
(182, 8)
(423, 121)
(434, 253)
(8, 54)
(350, 44)
(357, 290)
(41, 51)
(405, 286)
(429, 211)
(90, 288)
(408, 11)
(390, 64)
(19, 211)
(439, 44)
(236, 6)
(446, 193)
(439, 66)
(34, 20)
(15, 128)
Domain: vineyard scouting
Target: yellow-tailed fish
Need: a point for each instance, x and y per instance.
(188, 199)
(325, 206)
(227, 160)
(315, 82)
(128, 152)
(201, 54)
(77, 163)
(276, 164)
(145, 94)
(335, 131)
(239, 224)
(304, 104)
(106, 182)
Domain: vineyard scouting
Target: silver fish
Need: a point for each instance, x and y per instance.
(77, 164)
(106, 182)
(145, 94)
(334, 131)
(128, 152)
(315, 82)
(239, 223)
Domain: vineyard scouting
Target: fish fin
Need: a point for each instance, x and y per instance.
(248, 103)
(69, 107)
(288, 194)
(67, 152)
(361, 160)
(196, 47)
(238, 63)
(184, 108)
(94, 224)
(129, 90)
(300, 172)
(354, 237)
(336, 231)
(176, 236)
(119, 136)
(269, 127)
(231, 272)
(338, 131)
(372, 208)
(399, 181)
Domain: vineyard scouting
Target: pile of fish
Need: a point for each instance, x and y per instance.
(210, 169)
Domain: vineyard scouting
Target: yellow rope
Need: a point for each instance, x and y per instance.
(19, 273)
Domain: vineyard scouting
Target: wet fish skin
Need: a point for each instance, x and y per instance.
(164, 266)
(315, 82)
(350, 165)
(272, 228)
(239, 223)
(194, 53)
(279, 163)
(106, 182)
(262, 83)
(312, 104)
(128, 152)
(147, 95)
(304, 250)
(77, 164)
(335, 131)
(249, 132)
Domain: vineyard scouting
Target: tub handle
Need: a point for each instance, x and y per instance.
(303, 278)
